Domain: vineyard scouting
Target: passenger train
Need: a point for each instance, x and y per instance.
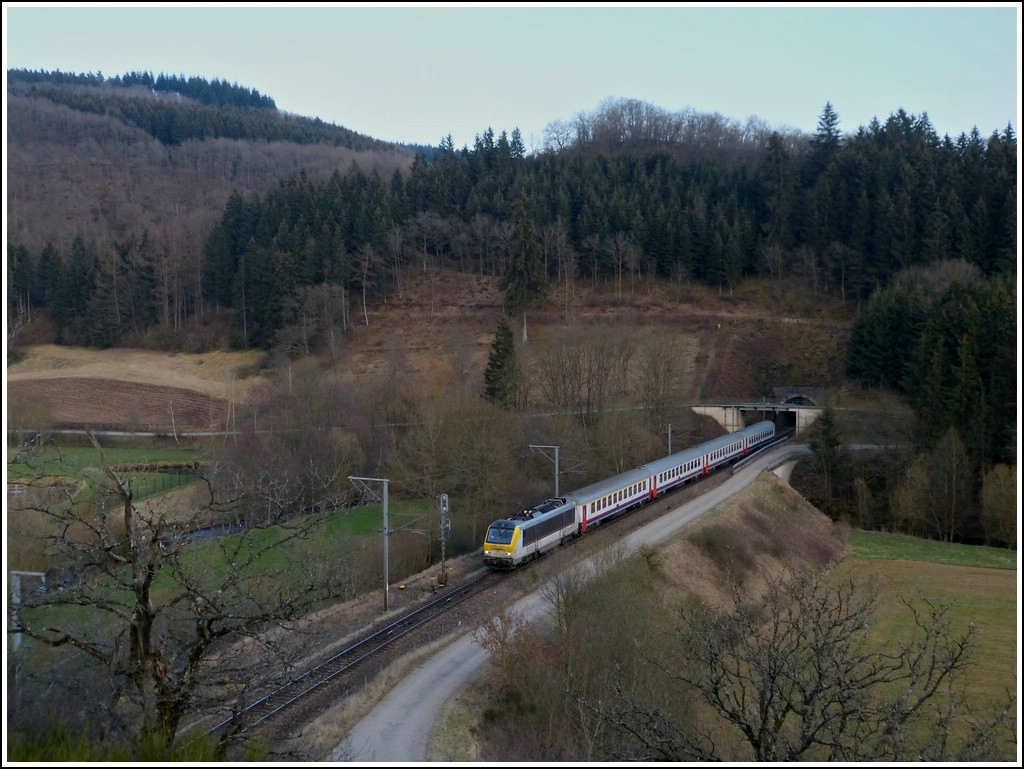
(532, 532)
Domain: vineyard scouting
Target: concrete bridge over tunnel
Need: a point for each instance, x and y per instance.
(796, 413)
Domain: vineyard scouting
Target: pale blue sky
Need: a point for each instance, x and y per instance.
(418, 72)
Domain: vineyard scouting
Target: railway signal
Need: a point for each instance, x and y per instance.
(446, 530)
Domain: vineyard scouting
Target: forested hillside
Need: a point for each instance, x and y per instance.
(180, 214)
(209, 201)
(92, 176)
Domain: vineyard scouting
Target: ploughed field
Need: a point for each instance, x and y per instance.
(114, 403)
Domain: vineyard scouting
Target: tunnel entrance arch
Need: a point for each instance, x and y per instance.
(786, 416)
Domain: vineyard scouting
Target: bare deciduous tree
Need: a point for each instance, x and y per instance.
(169, 625)
(798, 676)
(934, 498)
(581, 373)
(660, 379)
(558, 249)
(446, 448)
(999, 505)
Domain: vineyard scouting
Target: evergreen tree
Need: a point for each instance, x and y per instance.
(19, 286)
(779, 189)
(224, 250)
(826, 443)
(825, 143)
(72, 294)
(525, 281)
(47, 274)
(501, 377)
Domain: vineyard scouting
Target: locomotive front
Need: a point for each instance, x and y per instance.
(503, 537)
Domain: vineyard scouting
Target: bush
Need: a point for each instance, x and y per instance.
(721, 545)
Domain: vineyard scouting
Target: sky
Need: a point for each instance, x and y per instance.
(419, 72)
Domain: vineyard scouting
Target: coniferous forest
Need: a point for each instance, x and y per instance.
(917, 232)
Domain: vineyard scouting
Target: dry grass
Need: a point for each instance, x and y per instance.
(134, 389)
(215, 374)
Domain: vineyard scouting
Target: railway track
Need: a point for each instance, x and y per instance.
(285, 709)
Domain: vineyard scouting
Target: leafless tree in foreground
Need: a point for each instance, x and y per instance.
(167, 627)
(797, 675)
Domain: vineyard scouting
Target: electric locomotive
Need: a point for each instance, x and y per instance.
(529, 533)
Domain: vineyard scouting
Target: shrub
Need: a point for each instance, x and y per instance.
(722, 546)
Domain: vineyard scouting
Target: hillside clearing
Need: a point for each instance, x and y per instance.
(214, 374)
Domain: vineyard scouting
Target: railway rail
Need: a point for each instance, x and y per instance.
(288, 706)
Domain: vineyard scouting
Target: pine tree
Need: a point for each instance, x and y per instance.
(501, 377)
(825, 443)
(825, 143)
(525, 281)
(779, 185)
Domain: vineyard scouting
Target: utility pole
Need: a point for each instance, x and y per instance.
(688, 432)
(555, 460)
(14, 607)
(364, 482)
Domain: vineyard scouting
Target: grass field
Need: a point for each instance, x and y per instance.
(980, 585)
(71, 462)
(878, 545)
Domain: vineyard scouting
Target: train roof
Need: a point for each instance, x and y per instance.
(601, 488)
(526, 515)
(688, 455)
(674, 460)
(608, 485)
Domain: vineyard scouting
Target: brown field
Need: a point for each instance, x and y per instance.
(129, 388)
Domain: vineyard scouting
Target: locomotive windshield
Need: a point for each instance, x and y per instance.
(500, 533)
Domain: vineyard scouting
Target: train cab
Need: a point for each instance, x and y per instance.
(500, 544)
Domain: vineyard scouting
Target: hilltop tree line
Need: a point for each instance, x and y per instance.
(185, 109)
(216, 92)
